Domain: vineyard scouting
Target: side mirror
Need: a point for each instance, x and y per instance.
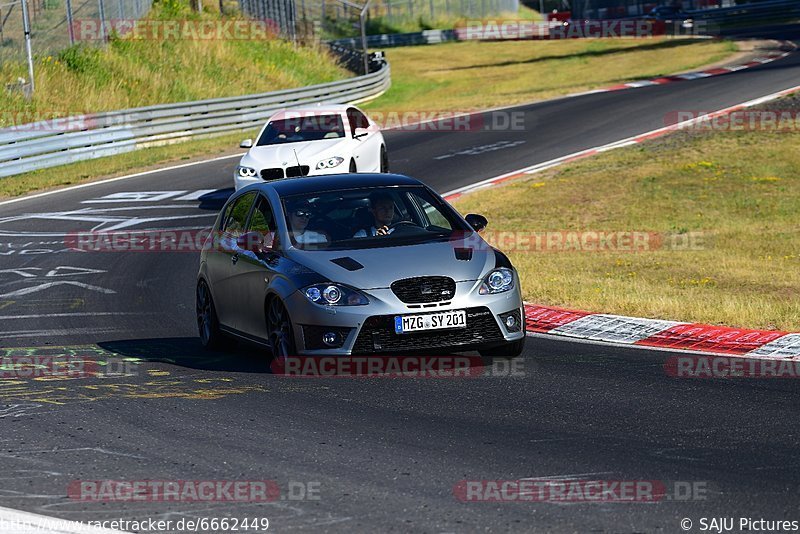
(358, 133)
(256, 242)
(477, 222)
(247, 143)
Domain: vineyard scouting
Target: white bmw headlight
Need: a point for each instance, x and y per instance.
(330, 163)
(246, 172)
(498, 281)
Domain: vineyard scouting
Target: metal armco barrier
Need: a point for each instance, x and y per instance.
(48, 144)
(399, 39)
(754, 11)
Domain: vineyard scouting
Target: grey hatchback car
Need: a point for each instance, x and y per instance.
(355, 264)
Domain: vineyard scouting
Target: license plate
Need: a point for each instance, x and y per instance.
(430, 321)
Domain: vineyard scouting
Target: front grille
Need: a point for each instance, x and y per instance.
(291, 172)
(378, 334)
(272, 174)
(424, 289)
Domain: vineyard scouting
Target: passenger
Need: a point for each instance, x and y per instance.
(299, 216)
(381, 205)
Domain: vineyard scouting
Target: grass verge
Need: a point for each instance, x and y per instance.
(736, 193)
(473, 75)
(450, 78)
(400, 20)
(128, 163)
(130, 72)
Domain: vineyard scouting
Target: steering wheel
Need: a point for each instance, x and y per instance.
(399, 223)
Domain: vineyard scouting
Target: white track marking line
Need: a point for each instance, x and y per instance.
(118, 178)
(75, 314)
(624, 142)
(48, 285)
(498, 108)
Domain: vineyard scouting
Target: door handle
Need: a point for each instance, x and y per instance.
(234, 259)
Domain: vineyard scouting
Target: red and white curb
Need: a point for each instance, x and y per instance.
(649, 333)
(640, 332)
(662, 80)
(663, 335)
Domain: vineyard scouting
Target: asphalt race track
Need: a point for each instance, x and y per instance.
(367, 454)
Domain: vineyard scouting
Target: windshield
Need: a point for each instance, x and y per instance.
(306, 128)
(369, 217)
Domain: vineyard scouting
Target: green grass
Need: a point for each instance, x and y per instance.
(130, 73)
(451, 77)
(737, 192)
(403, 21)
(473, 75)
(148, 158)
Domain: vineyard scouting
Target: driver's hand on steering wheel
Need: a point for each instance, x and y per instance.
(383, 230)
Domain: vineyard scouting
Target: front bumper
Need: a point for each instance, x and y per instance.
(239, 182)
(369, 329)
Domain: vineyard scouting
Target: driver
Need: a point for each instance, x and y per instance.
(381, 205)
(299, 215)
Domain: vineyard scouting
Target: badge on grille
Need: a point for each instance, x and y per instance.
(426, 289)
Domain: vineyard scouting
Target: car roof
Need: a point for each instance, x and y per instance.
(318, 184)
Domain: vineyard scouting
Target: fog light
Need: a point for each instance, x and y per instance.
(331, 339)
(512, 321)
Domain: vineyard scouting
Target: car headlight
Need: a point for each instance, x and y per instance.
(246, 172)
(330, 163)
(334, 295)
(498, 281)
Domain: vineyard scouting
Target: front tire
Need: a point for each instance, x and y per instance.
(509, 350)
(279, 331)
(384, 160)
(207, 321)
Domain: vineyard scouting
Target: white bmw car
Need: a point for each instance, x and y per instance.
(315, 140)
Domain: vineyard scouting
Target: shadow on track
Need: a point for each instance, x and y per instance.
(188, 352)
(215, 200)
(664, 45)
(245, 358)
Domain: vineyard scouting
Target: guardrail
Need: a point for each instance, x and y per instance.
(387, 40)
(48, 144)
(719, 17)
(752, 12)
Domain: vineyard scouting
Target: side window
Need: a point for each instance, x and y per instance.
(435, 217)
(262, 220)
(236, 215)
(356, 119)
